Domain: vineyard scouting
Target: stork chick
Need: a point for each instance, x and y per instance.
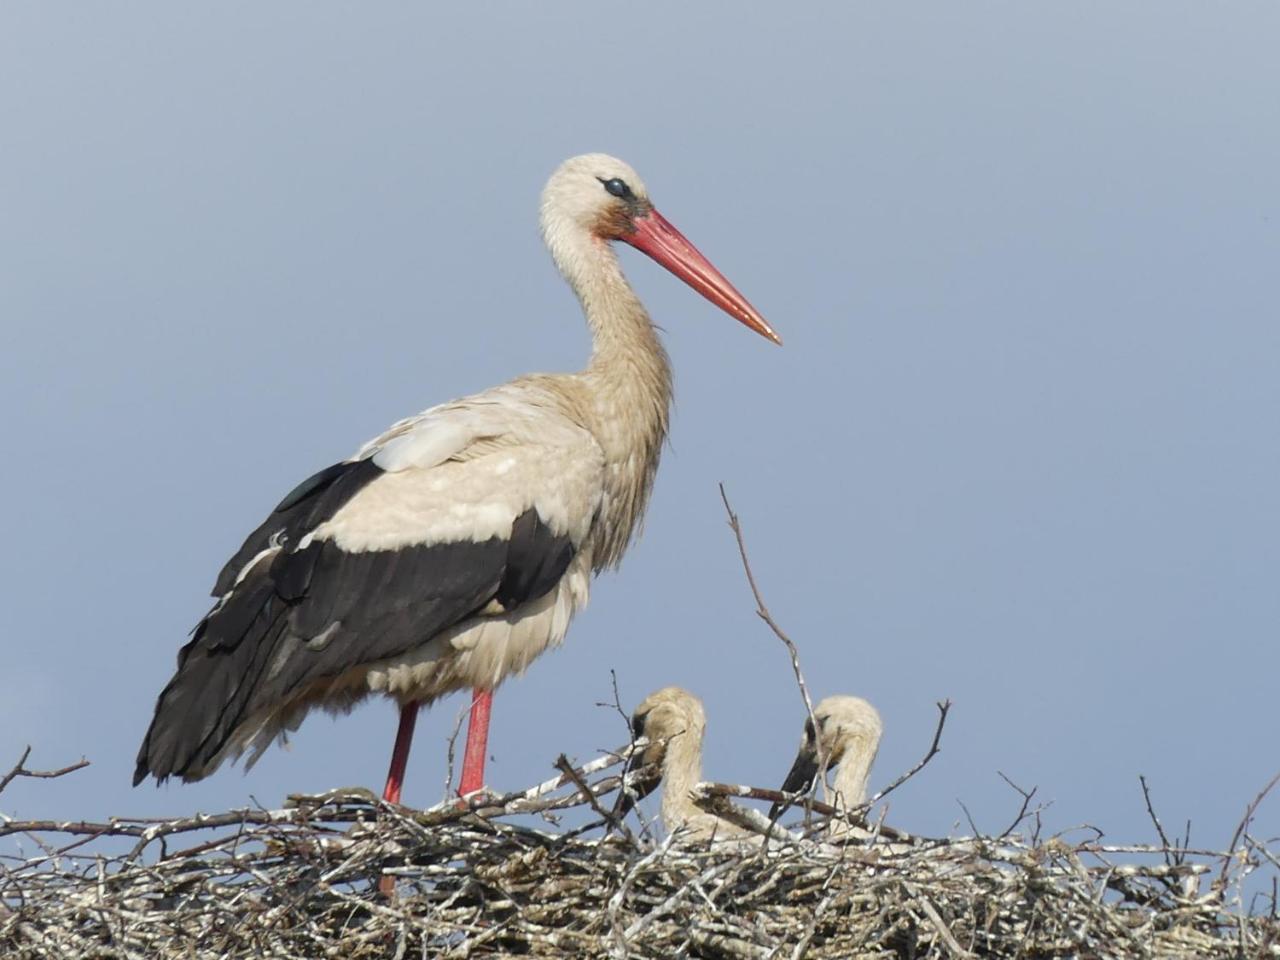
(848, 735)
(674, 721)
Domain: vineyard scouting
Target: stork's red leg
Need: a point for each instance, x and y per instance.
(477, 742)
(400, 755)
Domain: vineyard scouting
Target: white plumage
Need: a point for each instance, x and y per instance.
(465, 470)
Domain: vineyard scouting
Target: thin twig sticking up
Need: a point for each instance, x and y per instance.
(1221, 882)
(762, 611)
(1151, 812)
(20, 770)
(944, 707)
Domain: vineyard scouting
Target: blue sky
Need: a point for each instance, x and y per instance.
(1019, 449)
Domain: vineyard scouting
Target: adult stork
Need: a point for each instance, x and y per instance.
(453, 549)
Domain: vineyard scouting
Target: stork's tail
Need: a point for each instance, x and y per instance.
(201, 710)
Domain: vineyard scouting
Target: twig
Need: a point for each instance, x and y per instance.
(617, 701)
(151, 830)
(854, 816)
(944, 707)
(453, 745)
(20, 770)
(1221, 883)
(1146, 796)
(564, 766)
(1022, 812)
(802, 945)
(762, 611)
(977, 834)
(939, 925)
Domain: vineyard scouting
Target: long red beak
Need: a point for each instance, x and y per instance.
(654, 235)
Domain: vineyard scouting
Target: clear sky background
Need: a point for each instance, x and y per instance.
(1019, 450)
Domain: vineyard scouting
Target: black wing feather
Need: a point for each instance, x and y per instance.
(312, 614)
(536, 559)
(306, 506)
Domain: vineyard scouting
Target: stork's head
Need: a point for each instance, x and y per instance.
(662, 718)
(597, 198)
(598, 193)
(669, 713)
(848, 730)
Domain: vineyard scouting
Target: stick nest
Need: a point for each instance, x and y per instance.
(312, 880)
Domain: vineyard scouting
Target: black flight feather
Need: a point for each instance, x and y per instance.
(306, 506)
(312, 614)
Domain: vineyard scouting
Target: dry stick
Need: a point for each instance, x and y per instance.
(1221, 883)
(141, 828)
(746, 817)
(1146, 796)
(564, 766)
(483, 805)
(762, 611)
(855, 816)
(977, 834)
(453, 743)
(944, 707)
(802, 945)
(20, 770)
(939, 925)
(617, 702)
(1026, 802)
(313, 809)
(622, 786)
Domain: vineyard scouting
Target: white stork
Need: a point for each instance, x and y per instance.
(673, 722)
(453, 549)
(849, 732)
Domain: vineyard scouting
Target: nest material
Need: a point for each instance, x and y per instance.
(304, 882)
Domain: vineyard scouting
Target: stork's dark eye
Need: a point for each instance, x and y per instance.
(617, 188)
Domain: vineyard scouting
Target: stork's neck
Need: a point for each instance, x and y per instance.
(851, 778)
(628, 382)
(626, 353)
(681, 772)
(854, 772)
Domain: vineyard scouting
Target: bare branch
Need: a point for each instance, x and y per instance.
(616, 704)
(944, 707)
(453, 745)
(1022, 812)
(762, 611)
(20, 770)
(855, 816)
(1221, 883)
(968, 816)
(1146, 796)
(564, 766)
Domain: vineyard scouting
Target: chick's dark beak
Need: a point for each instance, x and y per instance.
(640, 758)
(801, 775)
